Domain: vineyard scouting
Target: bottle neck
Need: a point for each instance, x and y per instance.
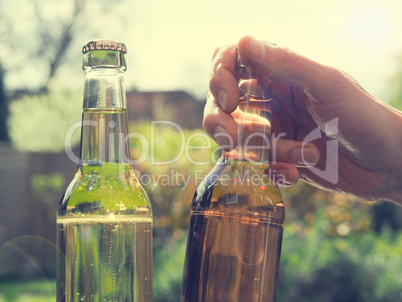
(253, 117)
(104, 120)
(104, 89)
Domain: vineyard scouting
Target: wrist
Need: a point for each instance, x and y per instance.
(393, 192)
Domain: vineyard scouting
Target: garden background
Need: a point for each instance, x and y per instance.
(335, 248)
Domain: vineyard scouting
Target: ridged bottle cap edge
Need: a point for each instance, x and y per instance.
(104, 45)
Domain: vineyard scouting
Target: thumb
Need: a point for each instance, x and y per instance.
(285, 66)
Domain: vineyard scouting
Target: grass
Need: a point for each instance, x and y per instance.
(30, 298)
(28, 291)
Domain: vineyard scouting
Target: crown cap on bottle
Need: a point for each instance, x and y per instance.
(104, 45)
(104, 54)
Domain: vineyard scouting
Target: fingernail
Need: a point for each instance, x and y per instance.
(220, 135)
(284, 177)
(304, 156)
(222, 96)
(257, 48)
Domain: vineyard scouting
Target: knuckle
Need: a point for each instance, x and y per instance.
(209, 121)
(213, 83)
(215, 77)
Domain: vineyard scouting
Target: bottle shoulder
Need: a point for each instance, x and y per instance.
(99, 191)
(239, 187)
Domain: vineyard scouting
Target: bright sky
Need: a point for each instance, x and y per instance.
(170, 43)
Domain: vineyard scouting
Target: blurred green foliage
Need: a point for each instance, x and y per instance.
(318, 266)
(28, 291)
(45, 187)
(168, 271)
(39, 122)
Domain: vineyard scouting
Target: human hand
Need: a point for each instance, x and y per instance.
(333, 134)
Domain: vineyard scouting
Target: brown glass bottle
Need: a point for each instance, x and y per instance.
(237, 213)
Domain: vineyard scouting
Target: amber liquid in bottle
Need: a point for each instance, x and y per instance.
(233, 258)
(236, 224)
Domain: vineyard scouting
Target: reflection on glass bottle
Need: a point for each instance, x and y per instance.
(237, 213)
(104, 218)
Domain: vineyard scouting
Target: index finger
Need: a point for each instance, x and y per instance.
(222, 81)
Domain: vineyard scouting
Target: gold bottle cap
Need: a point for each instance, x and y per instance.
(104, 45)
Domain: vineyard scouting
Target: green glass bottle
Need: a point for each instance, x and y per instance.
(237, 213)
(104, 219)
